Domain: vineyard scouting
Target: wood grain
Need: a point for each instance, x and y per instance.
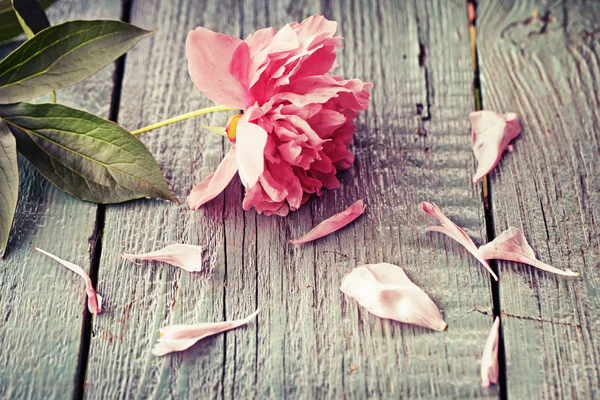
(42, 304)
(411, 146)
(142, 298)
(540, 59)
(308, 341)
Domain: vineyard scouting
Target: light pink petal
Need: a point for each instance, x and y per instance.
(94, 299)
(250, 142)
(215, 71)
(491, 134)
(454, 231)
(215, 183)
(512, 245)
(180, 337)
(184, 256)
(314, 27)
(385, 291)
(283, 41)
(334, 223)
(489, 358)
(259, 39)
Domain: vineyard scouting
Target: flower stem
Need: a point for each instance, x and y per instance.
(182, 117)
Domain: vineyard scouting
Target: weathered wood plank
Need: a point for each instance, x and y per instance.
(540, 59)
(417, 55)
(141, 299)
(308, 341)
(41, 303)
(313, 342)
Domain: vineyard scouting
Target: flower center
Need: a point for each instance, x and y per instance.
(231, 126)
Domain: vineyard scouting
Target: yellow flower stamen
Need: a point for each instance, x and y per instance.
(231, 126)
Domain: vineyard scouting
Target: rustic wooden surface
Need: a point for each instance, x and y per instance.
(42, 304)
(413, 144)
(308, 341)
(541, 61)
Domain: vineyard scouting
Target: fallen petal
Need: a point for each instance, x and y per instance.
(489, 358)
(491, 134)
(180, 337)
(511, 245)
(214, 183)
(385, 291)
(334, 223)
(94, 299)
(184, 256)
(454, 231)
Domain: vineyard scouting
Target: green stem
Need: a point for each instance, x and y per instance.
(182, 117)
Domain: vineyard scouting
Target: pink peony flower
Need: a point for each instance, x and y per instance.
(298, 119)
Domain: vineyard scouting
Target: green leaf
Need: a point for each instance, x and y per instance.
(33, 19)
(84, 155)
(31, 16)
(9, 24)
(9, 184)
(63, 55)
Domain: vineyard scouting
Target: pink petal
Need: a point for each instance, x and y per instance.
(334, 223)
(491, 133)
(489, 358)
(184, 256)
(214, 69)
(250, 142)
(180, 337)
(94, 299)
(215, 183)
(454, 231)
(511, 245)
(385, 291)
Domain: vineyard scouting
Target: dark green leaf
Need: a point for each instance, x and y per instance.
(9, 184)
(33, 19)
(84, 155)
(31, 16)
(9, 24)
(63, 55)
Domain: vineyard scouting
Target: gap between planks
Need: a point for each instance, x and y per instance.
(486, 197)
(96, 240)
(97, 235)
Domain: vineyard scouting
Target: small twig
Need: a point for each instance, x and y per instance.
(542, 320)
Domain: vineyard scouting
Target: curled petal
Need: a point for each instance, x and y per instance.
(334, 223)
(215, 183)
(217, 64)
(94, 301)
(180, 337)
(512, 245)
(184, 256)
(250, 141)
(491, 134)
(385, 291)
(455, 232)
(489, 358)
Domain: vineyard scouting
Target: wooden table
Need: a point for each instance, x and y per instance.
(537, 58)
